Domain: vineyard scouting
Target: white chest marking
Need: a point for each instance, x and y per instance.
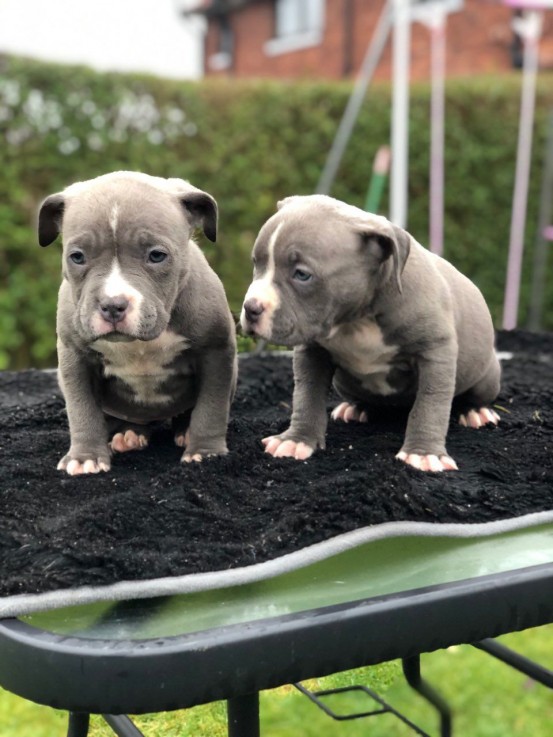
(143, 364)
(359, 348)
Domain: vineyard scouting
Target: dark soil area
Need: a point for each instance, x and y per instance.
(151, 516)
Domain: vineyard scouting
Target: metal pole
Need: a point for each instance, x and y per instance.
(437, 31)
(366, 72)
(122, 725)
(542, 246)
(530, 30)
(78, 725)
(533, 670)
(243, 716)
(412, 673)
(400, 112)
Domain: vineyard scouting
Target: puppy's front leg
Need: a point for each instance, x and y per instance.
(313, 370)
(424, 444)
(207, 433)
(89, 451)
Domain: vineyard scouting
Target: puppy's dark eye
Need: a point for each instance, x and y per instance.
(77, 257)
(300, 275)
(156, 257)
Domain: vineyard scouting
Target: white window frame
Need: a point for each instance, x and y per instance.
(222, 59)
(296, 41)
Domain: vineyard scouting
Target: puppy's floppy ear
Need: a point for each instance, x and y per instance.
(50, 218)
(287, 201)
(386, 242)
(201, 210)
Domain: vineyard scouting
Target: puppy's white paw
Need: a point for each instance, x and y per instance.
(349, 412)
(122, 442)
(192, 458)
(428, 462)
(75, 467)
(476, 418)
(199, 456)
(280, 448)
(196, 452)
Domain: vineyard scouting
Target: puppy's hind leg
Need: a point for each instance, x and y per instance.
(474, 405)
(127, 436)
(352, 408)
(349, 412)
(180, 425)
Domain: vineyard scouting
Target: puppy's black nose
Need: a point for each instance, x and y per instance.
(253, 309)
(114, 309)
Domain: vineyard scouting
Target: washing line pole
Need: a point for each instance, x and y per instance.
(529, 29)
(433, 14)
(437, 113)
(400, 111)
(543, 236)
(366, 73)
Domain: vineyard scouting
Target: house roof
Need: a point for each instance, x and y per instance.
(215, 7)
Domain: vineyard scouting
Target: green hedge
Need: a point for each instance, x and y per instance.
(248, 144)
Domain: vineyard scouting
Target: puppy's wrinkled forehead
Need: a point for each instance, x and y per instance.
(310, 224)
(286, 232)
(116, 211)
(320, 210)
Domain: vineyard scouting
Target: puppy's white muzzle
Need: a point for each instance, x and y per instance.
(260, 304)
(119, 305)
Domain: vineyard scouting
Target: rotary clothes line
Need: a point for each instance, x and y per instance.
(529, 27)
(398, 15)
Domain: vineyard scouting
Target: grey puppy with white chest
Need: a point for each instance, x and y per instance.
(144, 329)
(368, 308)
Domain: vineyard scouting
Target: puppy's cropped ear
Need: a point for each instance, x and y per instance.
(284, 202)
(50, 218)
(201, 210)
(387, 242)
(287, 201)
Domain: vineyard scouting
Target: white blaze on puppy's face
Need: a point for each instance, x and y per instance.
(113, 219)
(263, 290)
(116, 285)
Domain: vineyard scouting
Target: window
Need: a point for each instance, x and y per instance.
(294, 17)
(298, 24)
(226, 37)
(426, 10)
(222, 59)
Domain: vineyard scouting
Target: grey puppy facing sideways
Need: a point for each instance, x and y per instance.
(144, 330)
(370, 309)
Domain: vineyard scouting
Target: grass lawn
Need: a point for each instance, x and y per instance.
(488, 698)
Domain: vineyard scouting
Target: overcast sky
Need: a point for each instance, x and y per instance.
(141, 35)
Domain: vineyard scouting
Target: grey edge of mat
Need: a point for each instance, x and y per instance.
(21, 604)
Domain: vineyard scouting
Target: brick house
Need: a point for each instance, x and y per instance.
(294, 39)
